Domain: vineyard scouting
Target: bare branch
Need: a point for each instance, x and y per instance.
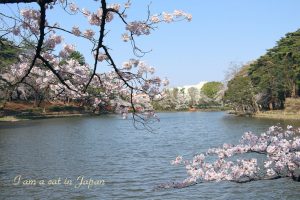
(100, 41)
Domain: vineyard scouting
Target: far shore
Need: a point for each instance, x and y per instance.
(277, 114)
(21, 116)
(13, 118)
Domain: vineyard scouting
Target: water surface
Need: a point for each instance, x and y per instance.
(131, 162)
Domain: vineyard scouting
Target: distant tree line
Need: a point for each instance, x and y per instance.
(208, 96)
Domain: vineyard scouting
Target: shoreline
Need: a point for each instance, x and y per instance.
(14, 118)
(34, 116)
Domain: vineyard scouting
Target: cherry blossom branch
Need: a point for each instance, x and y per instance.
(41, 38)
(70, 32)
(282, 159)
(100, 40)
(46, 62)
(62, 75)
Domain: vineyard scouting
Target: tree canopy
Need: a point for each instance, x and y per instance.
(271, 78)
(211, 89)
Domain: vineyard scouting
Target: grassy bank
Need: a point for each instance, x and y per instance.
(291, 111)
(277, 115)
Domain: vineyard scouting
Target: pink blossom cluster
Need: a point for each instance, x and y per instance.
(95, 18)
(89, 33)
(76, 31)
(115, 6)
(144, 27)
(281, 150)
(101, 56)
(73, 7)
(67, 50)
(140, 70)
(53, 40)
(142, 66)
(30, 21)
(170, 17)
(138, 28)
(125, 37)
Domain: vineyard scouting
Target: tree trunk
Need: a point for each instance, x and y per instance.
(281, 104)
(294, 91)
(35, 100)
(271, 105)
(40, 101)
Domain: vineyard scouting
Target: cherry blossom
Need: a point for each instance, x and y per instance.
(101, 56)
(73, 7)
(155, 19)
(125, 37)
(76, 31)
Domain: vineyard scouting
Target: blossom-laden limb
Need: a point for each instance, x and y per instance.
(278, 153)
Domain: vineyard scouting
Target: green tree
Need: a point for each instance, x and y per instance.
(240, 95)
(76, 55)
(211, 89)
(276, 75)
(8, 53)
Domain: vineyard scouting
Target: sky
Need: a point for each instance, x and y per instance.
(221, 33)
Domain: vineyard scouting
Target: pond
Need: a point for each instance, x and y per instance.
(113, 160)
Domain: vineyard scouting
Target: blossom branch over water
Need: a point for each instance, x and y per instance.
(272, 155)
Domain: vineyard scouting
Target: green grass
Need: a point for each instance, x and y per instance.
(8, 119)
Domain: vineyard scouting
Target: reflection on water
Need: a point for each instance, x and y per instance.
(131, 162)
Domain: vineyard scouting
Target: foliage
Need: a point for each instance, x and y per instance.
(75, 55)
(277, 73)
(8, 54)
(211, 89)
(240, 94)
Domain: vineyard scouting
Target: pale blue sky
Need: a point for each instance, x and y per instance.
(221, 32)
